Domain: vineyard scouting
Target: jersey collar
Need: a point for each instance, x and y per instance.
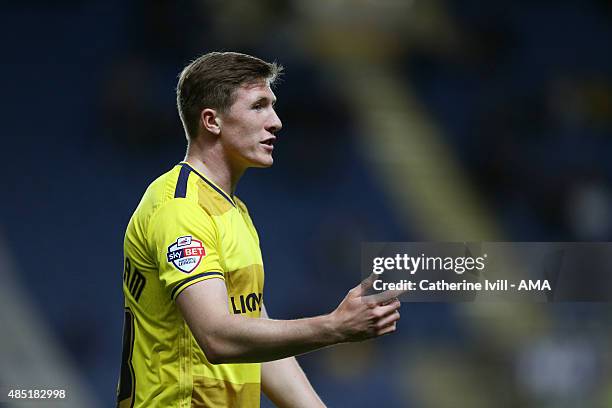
(209, 182)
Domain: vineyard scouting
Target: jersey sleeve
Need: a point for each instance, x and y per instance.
(185, 242)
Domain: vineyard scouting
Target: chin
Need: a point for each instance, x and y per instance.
(262, 164)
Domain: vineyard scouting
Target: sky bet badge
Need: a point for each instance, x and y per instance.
(186, 253)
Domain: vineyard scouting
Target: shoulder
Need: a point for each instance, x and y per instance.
(160, 191)
(175, 197)
(158, 194)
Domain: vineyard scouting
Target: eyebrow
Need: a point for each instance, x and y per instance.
(265, 99)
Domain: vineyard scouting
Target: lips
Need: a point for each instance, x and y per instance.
(268, 143)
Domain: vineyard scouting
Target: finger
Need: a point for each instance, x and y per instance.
(365, 284)
(387, 330)
(383, 311)
(386, 310)
(390, 302)
(384, 297)
(388, 320)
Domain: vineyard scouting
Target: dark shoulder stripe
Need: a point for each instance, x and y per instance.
(217, 189)
(181, 184)
(182, 284)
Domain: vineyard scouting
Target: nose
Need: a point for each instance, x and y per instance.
(275, 123)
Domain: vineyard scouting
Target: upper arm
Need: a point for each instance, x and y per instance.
(185, 243)
(204, 307)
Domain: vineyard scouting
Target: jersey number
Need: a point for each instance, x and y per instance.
(125, 390)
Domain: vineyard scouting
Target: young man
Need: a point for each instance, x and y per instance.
(196, 331)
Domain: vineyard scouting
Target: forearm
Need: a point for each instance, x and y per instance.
(234, 338)
(239, 339)
(286, 385)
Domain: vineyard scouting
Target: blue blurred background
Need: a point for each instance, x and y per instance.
(403, 121)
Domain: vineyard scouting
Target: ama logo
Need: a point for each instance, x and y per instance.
(186, 253)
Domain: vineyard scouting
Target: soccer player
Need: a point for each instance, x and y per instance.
(196, 331)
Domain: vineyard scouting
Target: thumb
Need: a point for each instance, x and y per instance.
(364, 285)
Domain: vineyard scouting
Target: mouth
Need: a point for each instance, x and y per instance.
(269, 143)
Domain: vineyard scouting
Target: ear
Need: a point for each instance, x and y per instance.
(210, 121)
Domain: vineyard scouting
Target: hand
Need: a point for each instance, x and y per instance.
(361, 317)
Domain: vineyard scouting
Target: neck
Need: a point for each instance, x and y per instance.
(212, 163)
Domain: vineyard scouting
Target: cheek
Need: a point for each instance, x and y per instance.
(244, 141)
(244, 135)
(249, 136)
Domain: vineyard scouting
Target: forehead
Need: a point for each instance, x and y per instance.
(253, 91)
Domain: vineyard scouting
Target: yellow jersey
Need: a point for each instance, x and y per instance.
(185, 230)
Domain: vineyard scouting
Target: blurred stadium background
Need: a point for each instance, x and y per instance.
(403, 121)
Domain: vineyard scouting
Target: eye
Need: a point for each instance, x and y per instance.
(258, 105)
